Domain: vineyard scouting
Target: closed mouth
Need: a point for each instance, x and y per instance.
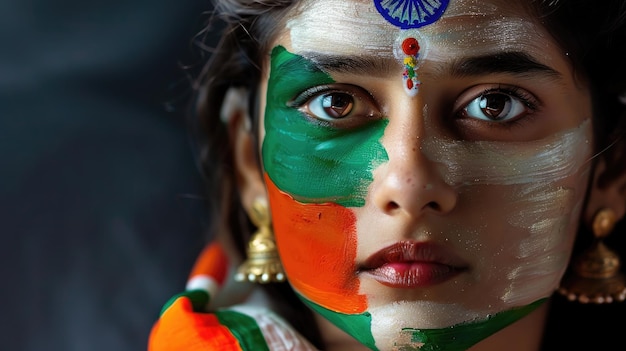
(410, 264)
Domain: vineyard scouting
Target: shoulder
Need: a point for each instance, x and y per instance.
(235, 328)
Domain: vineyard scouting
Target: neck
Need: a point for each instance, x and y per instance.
(523, 335)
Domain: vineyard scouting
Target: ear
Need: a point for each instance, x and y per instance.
(245, 152)
(609, 195)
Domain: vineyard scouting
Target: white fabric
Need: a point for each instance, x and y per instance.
(279, 335)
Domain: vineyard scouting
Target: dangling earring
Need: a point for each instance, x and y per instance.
(263, 264)
(596, 272)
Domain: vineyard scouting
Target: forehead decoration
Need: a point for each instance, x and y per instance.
(408, 14)
(410, 49)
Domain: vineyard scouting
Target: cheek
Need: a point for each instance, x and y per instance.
(518, 205)
(317, 245)
(522, 236)
(319, 165)
(311, 162)
(314, 173)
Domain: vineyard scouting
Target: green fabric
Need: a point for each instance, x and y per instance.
(199, 299)
(244, 328)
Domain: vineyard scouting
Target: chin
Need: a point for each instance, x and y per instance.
(434, 326)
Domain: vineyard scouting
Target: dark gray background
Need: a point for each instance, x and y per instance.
(101, 210)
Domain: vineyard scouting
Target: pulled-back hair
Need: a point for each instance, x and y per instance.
(247, 28)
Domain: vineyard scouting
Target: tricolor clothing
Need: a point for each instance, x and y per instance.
(186, 325)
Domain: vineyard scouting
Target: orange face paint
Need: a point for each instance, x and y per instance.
(317, 245)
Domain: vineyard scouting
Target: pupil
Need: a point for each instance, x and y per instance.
(493, 105)
(337, 105)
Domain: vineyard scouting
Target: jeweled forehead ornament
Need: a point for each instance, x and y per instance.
(410, 14)
(409, 54)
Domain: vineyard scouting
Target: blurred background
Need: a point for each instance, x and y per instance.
(101, 205)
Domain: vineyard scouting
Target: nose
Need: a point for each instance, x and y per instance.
(409, 183)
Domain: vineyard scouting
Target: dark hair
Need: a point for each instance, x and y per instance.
(247, 28)
(592, 32)
(595, 36)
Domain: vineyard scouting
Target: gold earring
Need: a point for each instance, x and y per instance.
(263, 264)
(596, 272)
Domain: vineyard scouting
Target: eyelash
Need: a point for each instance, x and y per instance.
(526, 98)
(309, 94)
(363, 106)
(529, 100)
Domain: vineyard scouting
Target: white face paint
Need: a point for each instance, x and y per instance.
(341, 28)
(540, 161)
(515, 220)
(499, 199)
(355, 28)
(538, 179)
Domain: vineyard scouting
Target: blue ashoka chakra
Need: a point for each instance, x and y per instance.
(411, 13)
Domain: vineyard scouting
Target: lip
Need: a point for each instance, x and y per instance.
(410, 264)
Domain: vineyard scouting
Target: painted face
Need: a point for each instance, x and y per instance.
(400, 213)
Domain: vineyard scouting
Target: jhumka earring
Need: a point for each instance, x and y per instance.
(596, 274)
(263, 264)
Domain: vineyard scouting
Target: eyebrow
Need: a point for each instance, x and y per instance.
(515, 62)
(361, 65)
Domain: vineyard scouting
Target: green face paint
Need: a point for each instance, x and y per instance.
(458, 337)
(314, 163)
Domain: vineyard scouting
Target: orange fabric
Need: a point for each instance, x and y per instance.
(181, 329)
(212, 262)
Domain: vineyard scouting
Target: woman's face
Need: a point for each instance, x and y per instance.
(423, 178)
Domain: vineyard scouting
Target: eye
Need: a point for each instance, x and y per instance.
(332, 105)
(500, 105)
(338, 105)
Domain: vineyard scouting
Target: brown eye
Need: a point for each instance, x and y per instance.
(498, 105)
(333, 105)
(495, 105)
(340, 106)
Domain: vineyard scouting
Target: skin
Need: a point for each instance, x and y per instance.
(499, 200)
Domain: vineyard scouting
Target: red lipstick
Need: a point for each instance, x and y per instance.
(409, 264)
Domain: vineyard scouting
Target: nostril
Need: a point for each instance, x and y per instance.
(435, 206)
(392, 206)
(410, 188)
